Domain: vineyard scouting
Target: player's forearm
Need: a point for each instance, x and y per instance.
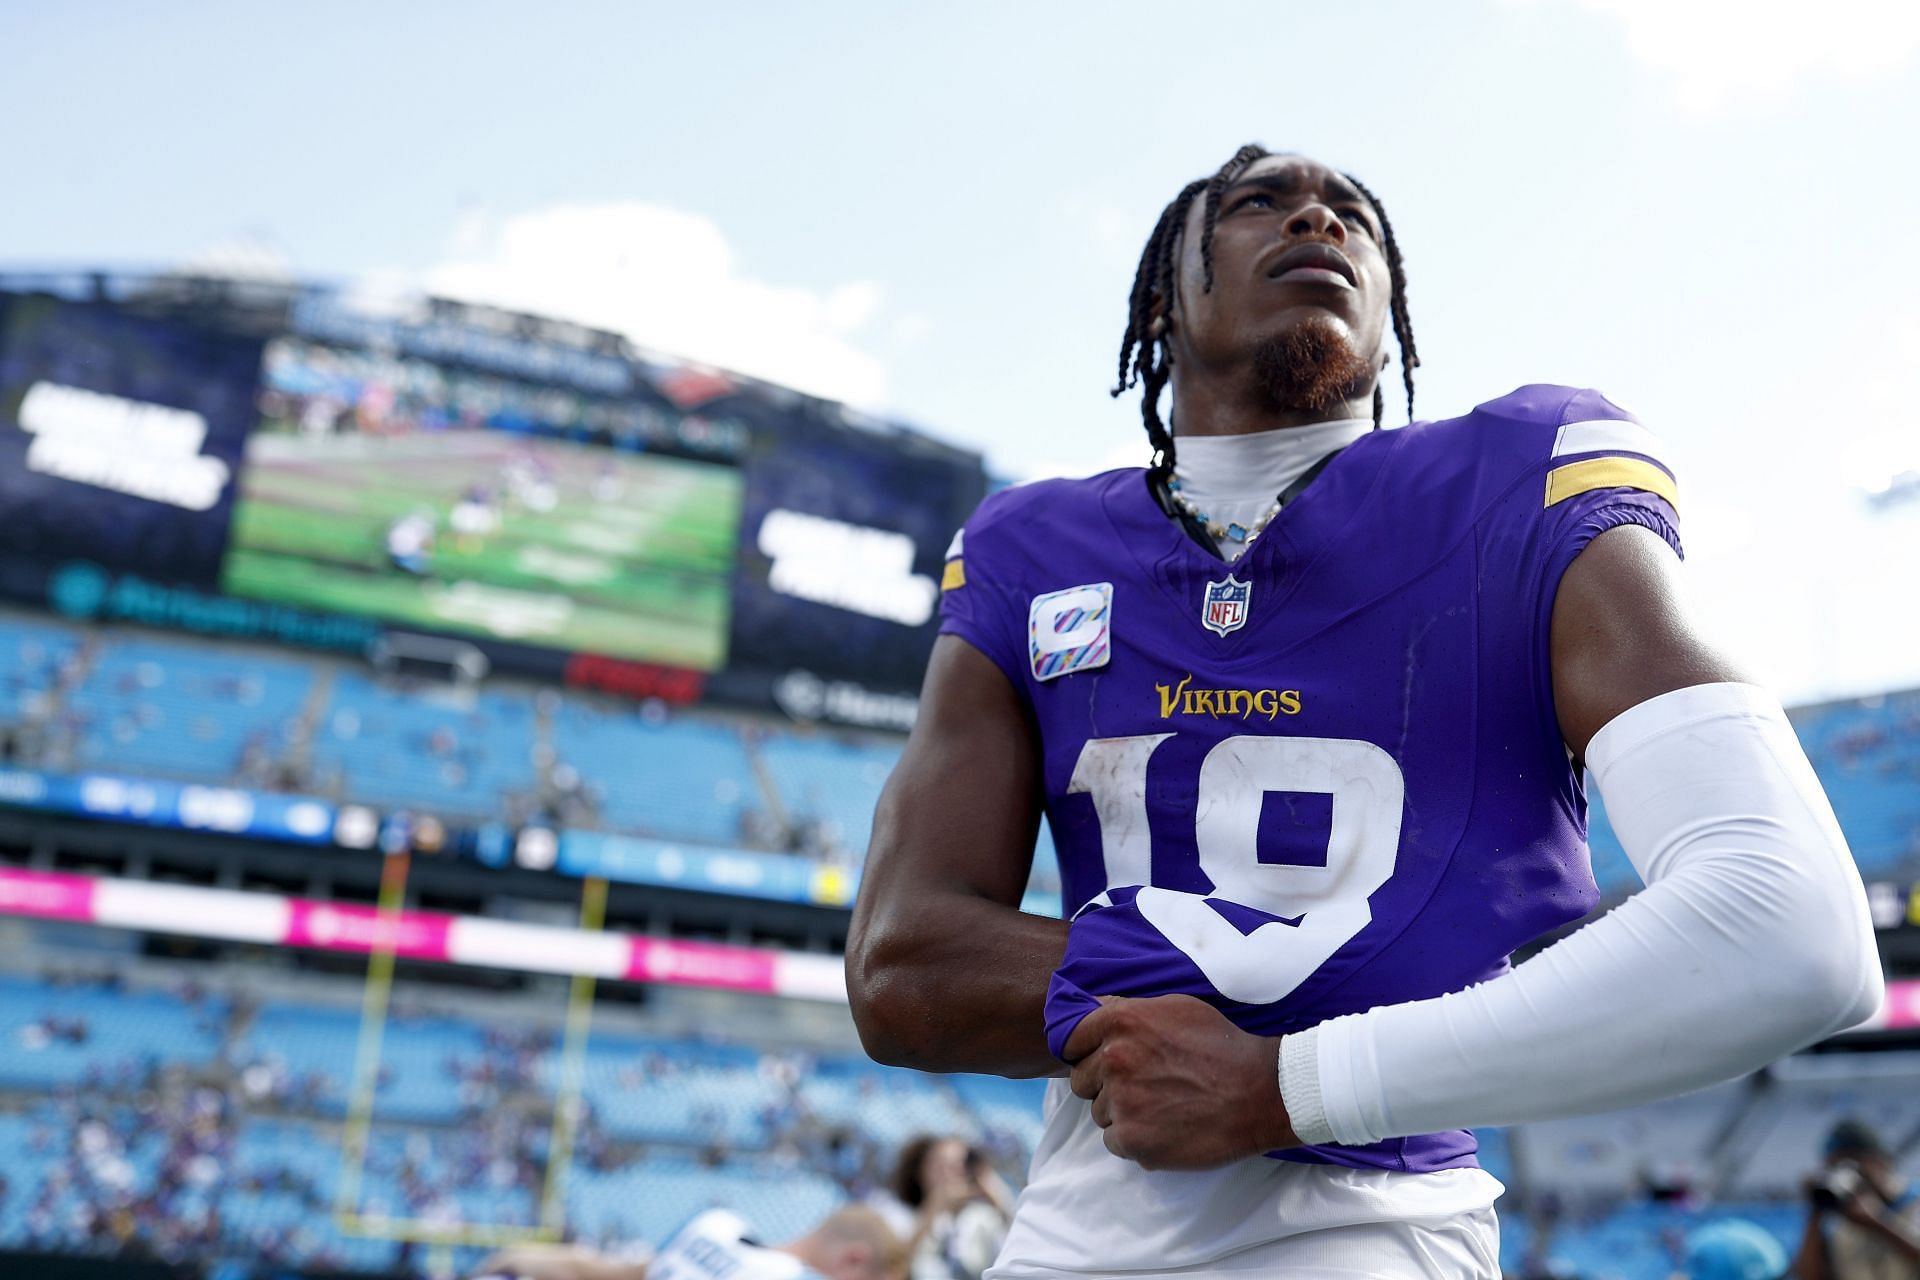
(955, 982)
(1750, 941)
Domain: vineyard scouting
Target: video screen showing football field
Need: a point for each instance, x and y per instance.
(544, 542)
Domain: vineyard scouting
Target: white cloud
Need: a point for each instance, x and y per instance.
(1725, 52)
(669, 280)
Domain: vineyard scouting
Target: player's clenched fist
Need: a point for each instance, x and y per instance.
(1174, 1085)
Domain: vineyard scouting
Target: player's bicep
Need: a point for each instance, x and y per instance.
(1622, 632)
(962, 808)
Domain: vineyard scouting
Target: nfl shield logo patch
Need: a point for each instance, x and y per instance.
(1225, 607)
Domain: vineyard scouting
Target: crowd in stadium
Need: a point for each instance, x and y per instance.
(83, 699)
(186, 1129)
(175, 1117)
(500, 755)
(92, 698)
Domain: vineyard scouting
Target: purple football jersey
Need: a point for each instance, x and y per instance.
(1327, 776)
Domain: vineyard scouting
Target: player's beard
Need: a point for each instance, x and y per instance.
(1311, 366)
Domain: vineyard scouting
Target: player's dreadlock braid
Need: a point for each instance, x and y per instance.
(1144, 354)
(1222, 178)
(1402, 318)
(1146, 359)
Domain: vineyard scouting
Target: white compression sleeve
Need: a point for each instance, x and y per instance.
(1750, 940)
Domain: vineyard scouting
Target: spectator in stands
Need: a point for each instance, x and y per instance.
(960, 1205)
(1864, 1224)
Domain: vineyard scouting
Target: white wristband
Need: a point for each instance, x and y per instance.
(1300, 1087)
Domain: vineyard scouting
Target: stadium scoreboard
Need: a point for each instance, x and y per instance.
(576, 511)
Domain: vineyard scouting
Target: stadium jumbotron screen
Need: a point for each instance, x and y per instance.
(391, 489)
(323, 474)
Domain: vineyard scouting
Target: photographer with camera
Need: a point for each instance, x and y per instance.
(1864, 1223)
(959, 1204)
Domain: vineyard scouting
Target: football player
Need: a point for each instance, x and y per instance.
(1307, 707)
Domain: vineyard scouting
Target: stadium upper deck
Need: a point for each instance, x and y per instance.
(621, 783)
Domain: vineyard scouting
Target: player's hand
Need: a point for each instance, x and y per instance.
(1174, 1085)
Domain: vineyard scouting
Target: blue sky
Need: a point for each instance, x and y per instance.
(1703, 207)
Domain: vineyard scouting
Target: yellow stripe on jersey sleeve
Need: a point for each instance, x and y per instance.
(1609, 473)
(954, 576)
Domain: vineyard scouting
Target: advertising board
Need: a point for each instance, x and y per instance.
(120, 437)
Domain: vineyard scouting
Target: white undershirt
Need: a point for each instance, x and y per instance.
(1235, 478)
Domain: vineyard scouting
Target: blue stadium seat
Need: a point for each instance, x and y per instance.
(1867, 755)
(662, 1093)
(425, 751)
(415, 1080)
(830, 781)
(124, 1032)
(183, 711)
(890, 1106)
(680, 778)
(32, 657)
